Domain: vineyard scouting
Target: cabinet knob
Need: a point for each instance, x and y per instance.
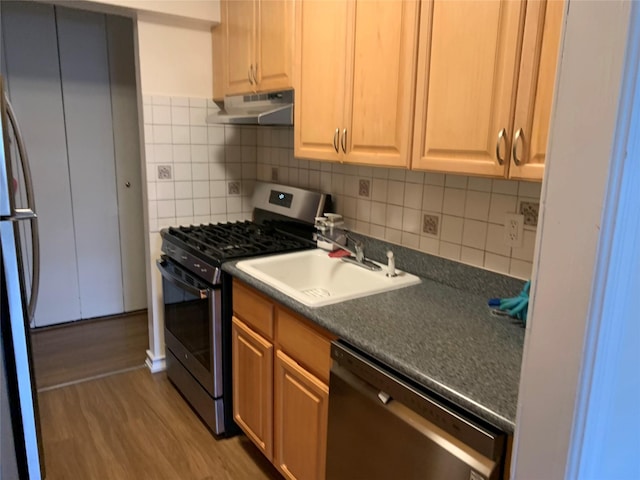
(501, 137)
(127, 184)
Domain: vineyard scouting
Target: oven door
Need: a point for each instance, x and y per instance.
(192, 320)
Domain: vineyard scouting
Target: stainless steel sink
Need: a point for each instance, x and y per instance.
(315, 279)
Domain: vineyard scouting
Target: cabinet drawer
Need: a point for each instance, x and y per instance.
(305, 344)
(253, 309)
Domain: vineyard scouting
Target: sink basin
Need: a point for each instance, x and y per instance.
(315, 279)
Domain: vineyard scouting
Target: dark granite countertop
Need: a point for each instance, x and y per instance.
(440, 336)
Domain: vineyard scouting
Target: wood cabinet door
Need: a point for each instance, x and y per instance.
(465, 85)
(252, 373)
(536, 84)
(301, 413)
(319, 78)
(274, 34)
(380, 82)
(239, 18)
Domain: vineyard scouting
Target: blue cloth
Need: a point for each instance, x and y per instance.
(515, 307)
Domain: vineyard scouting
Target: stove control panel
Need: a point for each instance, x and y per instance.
(195, 265)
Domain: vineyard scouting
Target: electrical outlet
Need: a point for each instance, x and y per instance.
(513, 229)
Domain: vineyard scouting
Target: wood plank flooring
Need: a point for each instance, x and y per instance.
(135, 425)
(88, 348)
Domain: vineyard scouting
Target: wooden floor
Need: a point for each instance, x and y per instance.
(135, 425)
(89, 348)
(100, 422)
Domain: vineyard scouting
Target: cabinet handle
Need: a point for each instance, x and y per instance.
(501, 137)
(335, 139)
(344, 140)
(249, 74)
(519, 135)
(255, 74)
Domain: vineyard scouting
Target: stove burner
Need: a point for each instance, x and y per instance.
(225, 241)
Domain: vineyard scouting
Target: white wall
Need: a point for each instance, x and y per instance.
(175, 60)
(581, 140)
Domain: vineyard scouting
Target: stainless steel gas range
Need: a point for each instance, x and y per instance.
(197, 294)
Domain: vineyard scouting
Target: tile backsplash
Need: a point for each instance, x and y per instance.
(199, 173)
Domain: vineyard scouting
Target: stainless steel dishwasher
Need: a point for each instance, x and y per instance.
(382, 426)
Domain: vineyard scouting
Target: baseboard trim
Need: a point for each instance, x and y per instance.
(155, 364)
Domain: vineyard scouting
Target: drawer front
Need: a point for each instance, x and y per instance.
(253, 309)
(305, 344)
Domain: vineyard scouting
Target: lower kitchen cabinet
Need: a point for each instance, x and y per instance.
(253, 385)
(280, 369)
(300, 407)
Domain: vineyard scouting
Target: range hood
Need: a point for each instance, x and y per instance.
(262, 109)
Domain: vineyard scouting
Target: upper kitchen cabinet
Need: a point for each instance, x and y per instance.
(257, 46)
(354, 77)
(470, 85)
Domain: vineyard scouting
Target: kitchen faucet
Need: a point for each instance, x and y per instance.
(329, 230)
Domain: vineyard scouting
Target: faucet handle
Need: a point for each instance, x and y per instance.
(391, 265)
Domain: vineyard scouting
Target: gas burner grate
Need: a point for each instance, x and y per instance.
(225, 241)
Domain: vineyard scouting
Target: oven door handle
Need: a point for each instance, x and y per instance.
(200, 293)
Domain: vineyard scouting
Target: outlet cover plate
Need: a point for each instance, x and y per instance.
(513, 229)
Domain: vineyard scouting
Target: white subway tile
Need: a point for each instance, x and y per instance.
(160, 100)
(202, 219)
(474, 234)
(378, 213)
(392, 235)
(183, 190)
(147, 99)
(163, 153)
(179, 115)
(394, 217)
(232, 136)
(197, 116)
(395, 192)
(472, 256)
(529, 189)
(520, 269)
(411, 220)
(414, 177)
(397, 174)
(180, 135)
(219, 218)
(181, 153)
(198, 135)
(182, 171)
(377, 231)
(410, 240)
(218, 205)
(234, 205)
(351, 185)
(233, 154)
(201, 189)
(325, 180)
(449, 250)
(505, 187)
(429, 245)
(362, 227)
(477, 205)
(198, 153)
(366, 172)
(479, 184)
(337, 183)
(454, 200)
(184, 208)
(165, 191)
(197, 102)
(215, 135)
(249, 171)
(217, 154)
(148, 134)
(501, 205)
(496, 243)
(413, 195)
(153, 209)
(249, 136)
(217, 171)
(147, 114)
(451, 229)
(433, 198)
(201, 206)
(179, 101)
(234, 171)
(349, 207)
(496, 263)
(162, 134)
(382, 173)
(379, 190)
(151, 191)
(456, 181)
(166, 208)
(436, 179)
(249, 154)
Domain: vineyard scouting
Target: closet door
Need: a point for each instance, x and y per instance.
(87, 106)
(126, 139)
(29, 47)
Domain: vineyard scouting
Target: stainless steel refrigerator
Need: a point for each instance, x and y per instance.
(20, 440)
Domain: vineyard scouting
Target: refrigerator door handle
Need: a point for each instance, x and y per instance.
(29, 212)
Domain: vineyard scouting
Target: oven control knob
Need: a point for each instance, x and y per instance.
(184, 257)
(197, 265)
(186, 357)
